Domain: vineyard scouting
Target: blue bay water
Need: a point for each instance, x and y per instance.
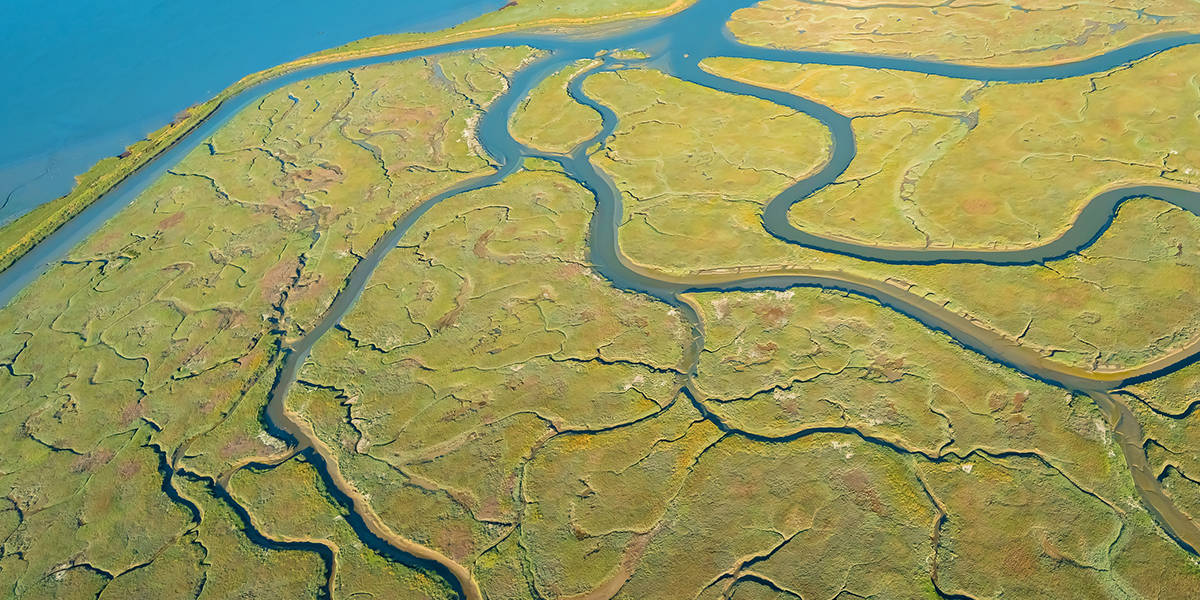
(82, 80)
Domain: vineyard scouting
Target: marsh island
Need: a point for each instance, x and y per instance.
(641, 299)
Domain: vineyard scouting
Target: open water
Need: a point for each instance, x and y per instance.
(83, 80)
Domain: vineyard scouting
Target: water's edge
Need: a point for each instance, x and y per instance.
(677, 45)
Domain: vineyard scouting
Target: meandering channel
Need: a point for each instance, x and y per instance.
(677, 45)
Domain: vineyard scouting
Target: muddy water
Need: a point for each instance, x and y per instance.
(1129, 436)
(676, 45)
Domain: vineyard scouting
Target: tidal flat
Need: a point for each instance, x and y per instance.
(1089, 320)
(169, 318)
(511, 320)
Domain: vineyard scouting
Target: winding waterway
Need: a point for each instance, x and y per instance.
(676, 45)
(80, 84)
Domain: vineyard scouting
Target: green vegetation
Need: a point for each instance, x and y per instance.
(1077, 309)
(1017, 528)
(23, 233)
(708, 533)
(558, 12)
(19, 235)
(1166, 409)
(494, 416)
(1013, 456)
(550, 120)
(233, 565)
(629, 54)
(663, 159)
(151, 349)
(516, 16)
(433, 409)
(946, 162)
(778, 363)
(1031, 33)
(289, 503)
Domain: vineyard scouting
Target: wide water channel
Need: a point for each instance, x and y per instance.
(83, 80)
(676, 45)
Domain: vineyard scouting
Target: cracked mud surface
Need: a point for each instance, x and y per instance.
(191, 408)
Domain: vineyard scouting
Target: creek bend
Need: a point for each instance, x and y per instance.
(676, 45)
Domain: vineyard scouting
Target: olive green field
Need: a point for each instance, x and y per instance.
(495, 415)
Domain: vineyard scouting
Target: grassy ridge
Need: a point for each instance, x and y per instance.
(22, 234)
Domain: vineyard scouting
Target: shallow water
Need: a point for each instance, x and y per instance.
(85, 79)
(676, 45)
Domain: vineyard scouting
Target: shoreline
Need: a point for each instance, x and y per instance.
(23, 233)
(606, 260)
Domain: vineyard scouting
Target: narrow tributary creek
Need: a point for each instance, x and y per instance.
(676, 45)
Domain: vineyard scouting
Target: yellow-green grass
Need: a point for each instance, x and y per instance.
(290, 503)
(438, 516)
(1031, 33)
(1148, 562)
(1015, 528)
(492, 397)
(85, 519)
(20, 235)
(1166, 408)
(779, 363)
(681, 144)
(569, 15)
(673, 507)
(550, 120)
(234, 566)
(1171, 394)
(789, 504)
(598, 496)
(1183, 490)
(1122, 302)
(945, 162)
(484, 334)
(160, 332)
